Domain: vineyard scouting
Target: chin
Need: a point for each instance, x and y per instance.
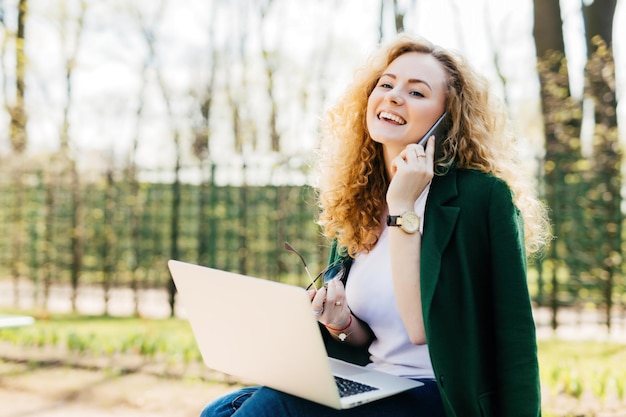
(393, 141)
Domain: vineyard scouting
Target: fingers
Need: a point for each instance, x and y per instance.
(335, 295)
(430, 151)
(414, 151)
(317, 304)
(328, 301)
(426, 156)
(414, 158)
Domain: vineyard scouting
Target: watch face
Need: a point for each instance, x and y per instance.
(410, 222)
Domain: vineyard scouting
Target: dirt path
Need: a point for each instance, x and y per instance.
(56, 390)
(70, 392)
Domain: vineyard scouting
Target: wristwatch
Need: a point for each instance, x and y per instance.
(409, 221)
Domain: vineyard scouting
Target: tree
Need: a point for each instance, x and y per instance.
(399, 13)
(71, 45)
(576, 187)
(605, 165)
(17, 136)
(561, 117)
(131, 174)
(17, 110)
(148, 30)
(243, 126)
(201, 149)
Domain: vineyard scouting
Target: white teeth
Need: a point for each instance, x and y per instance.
(392, 117)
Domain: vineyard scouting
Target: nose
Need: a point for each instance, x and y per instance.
(393, 97)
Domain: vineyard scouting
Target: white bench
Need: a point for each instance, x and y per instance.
(15, 321)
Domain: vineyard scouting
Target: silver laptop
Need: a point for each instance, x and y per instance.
(264, 332)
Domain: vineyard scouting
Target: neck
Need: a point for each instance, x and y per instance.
(389, 154)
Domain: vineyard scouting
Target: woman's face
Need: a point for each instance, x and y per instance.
(407, 99)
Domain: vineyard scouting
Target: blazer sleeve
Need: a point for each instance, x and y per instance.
(516, 348)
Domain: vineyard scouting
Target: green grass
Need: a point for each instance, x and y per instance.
(163, 339)
(576, 368)
(574, 371)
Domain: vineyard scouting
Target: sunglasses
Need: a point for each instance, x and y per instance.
(338, 269)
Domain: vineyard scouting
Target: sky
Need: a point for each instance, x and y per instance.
(108, 78)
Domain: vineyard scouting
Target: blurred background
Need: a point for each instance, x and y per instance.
(135, 131)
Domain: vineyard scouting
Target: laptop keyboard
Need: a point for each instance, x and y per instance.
(348, 387)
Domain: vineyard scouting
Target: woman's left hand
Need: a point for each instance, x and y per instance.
(330, 302)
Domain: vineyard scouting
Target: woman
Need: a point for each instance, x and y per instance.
(438, 237)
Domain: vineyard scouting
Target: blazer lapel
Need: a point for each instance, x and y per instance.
(439, 223)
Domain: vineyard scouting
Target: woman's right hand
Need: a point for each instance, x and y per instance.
(412, 170)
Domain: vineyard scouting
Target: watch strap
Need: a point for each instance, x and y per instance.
(393, 220)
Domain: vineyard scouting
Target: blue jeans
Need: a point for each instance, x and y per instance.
(423, 401)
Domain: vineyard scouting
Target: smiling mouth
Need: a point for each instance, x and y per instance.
(383, 115)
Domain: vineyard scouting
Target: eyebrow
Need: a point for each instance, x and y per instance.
(411, 80)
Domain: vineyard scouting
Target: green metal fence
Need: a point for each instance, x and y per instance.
(121, 232)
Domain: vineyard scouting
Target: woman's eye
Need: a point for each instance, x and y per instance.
(386, 85)
(417, 94)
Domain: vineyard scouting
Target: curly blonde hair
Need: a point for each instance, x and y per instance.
(353, 179)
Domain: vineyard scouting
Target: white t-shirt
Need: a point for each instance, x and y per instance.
(370, 295)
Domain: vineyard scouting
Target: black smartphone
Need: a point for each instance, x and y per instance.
(438, 129)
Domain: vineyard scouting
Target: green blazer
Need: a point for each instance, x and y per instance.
(475, 300)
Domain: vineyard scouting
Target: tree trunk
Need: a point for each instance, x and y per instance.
(136, 198)
(606, 164)
(175, 224)
(202, 148)
(107, 250)
(149, 37)
(17, 111)
(561, 116)
(18, 138)
(76, 238)
(49, 251)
